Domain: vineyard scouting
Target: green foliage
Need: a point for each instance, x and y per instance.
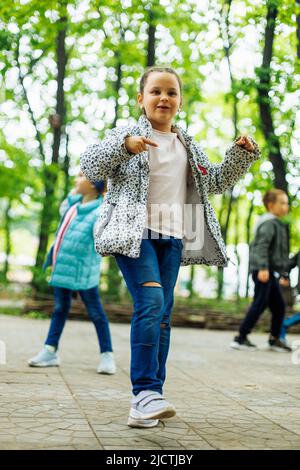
(40, 283)
(191, 36)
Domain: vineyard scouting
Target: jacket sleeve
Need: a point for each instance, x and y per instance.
(99, 161)
(262, 243)
(236, 163)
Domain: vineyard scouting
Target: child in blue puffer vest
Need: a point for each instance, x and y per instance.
(76, 267)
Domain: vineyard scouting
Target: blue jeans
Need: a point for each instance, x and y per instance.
(62, 305)
(159, 262)
(290, 321)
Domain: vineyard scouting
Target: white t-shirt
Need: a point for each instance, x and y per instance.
(167, 187)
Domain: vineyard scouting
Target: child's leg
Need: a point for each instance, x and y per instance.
(283, 331)
(277, 306)
(63, 300)
(91, 300)
(169, 263)
(147, 316)
(288, 322)
(260, 302)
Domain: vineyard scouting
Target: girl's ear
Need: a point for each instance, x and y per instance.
(140, 98)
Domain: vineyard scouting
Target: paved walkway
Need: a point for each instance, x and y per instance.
(225, 399)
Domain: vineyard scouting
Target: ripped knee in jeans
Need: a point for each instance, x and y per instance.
(151, 284)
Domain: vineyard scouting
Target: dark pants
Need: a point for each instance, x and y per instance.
(266, 294)
(91, 299)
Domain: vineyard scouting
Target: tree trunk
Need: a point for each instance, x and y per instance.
(264, 103)
(7, 221)
(117, 87)
(51, 171)
(190, 283)
(151, 40)
(66, 166)
(224, 231)
(223, 21)
(248, 236)
(298, 32)
(114, 278)
(236, 242)
(220, 276)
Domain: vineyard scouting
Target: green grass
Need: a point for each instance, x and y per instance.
(12, 311)
(228, 306)
(18, 312)
(39, 315)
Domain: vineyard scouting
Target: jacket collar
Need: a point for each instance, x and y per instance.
(89, 206)
(73, 198)
(183, 136)
(84, 208)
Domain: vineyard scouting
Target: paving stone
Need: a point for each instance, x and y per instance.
(225, 399)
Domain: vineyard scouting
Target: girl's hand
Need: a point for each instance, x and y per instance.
(244, 142)
(138, 144)
(263, 275)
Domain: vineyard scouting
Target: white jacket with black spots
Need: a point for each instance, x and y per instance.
(123, 213)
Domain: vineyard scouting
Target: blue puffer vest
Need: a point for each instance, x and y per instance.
(77, 264)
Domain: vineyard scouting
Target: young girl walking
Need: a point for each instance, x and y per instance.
(76, 267)
(159, 181)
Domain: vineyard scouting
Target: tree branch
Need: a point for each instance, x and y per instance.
(34, 122)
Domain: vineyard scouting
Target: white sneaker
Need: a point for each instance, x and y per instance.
(47, 357)
(150, 405)
(107, 364)
(142, 423)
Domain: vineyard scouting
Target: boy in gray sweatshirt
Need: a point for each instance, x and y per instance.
(268, 263)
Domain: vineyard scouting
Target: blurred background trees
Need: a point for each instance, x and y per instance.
(69, 70)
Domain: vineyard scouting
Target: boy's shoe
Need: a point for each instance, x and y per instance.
(47, 357)
(278, 345)
(150, 405)
(142, 423)
(242, 343)
(107, 364)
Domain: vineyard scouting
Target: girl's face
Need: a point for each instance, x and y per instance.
(83, 185)
(161, 99)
